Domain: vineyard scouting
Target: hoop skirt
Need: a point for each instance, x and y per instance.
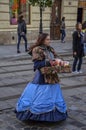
(41, 102)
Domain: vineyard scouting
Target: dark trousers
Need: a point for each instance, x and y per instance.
(19, 40)
(79, 60)
(63, 35)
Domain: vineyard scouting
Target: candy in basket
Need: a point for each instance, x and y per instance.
(64, 66)
(59, 66)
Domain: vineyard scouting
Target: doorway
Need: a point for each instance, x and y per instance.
(80, 15)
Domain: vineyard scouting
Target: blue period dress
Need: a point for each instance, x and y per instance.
(41, 101)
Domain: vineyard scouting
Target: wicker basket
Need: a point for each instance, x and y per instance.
(55, 69)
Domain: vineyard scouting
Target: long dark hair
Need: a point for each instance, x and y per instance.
(63, 18)
(40, 40)
(77, 26)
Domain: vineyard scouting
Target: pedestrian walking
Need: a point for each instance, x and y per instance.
(63, 31)
(78, 49)
(22, 30)
(42, 99)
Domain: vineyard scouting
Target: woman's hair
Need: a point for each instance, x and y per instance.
(20, 19)
(63, 18)
(77, 26)
(40, 40)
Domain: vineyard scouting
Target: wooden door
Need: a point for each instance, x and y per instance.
(80, 15)
(55, 20)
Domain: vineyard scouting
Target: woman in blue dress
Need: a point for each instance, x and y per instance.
(42, 98)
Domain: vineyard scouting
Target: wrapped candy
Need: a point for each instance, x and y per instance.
(66, 63)
(58, 66)
(58, 61)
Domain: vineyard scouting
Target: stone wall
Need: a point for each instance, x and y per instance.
(69, 11)
(8, 33)
(84, 14)
(10, 37)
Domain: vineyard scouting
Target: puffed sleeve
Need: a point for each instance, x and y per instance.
(40, 64)
(38, 54)
(38, 58)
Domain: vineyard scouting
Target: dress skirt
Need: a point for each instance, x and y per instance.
(41, 102)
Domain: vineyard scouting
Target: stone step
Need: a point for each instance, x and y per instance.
(19, 77)
(29, 62)
(12, 89)
(23, 56)
(6, 82)
(15, 63)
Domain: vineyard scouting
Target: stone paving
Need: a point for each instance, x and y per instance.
(7, 51)
(76, 101)
(16, 72)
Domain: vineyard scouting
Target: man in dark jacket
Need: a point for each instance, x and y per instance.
(22, 30)
(78, 51)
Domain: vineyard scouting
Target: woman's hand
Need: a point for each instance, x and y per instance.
(75, 53)
(53, 63)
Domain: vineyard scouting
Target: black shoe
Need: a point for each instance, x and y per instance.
(18, 52)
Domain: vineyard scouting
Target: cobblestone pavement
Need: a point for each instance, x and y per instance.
(16, 72)
(76, 101)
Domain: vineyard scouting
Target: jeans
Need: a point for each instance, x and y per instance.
(19, 39)
(79, 60)
(63, 35)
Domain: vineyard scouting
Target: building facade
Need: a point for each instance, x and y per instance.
(73, 10)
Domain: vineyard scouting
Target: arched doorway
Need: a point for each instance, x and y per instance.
(55, 20)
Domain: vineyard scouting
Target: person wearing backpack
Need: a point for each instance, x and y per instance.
(21, 30)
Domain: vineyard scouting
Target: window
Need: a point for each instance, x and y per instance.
(17, 6)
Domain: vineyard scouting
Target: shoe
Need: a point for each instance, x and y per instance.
(80, 72)
(75, 72)
(18, 52)
(62, 41)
